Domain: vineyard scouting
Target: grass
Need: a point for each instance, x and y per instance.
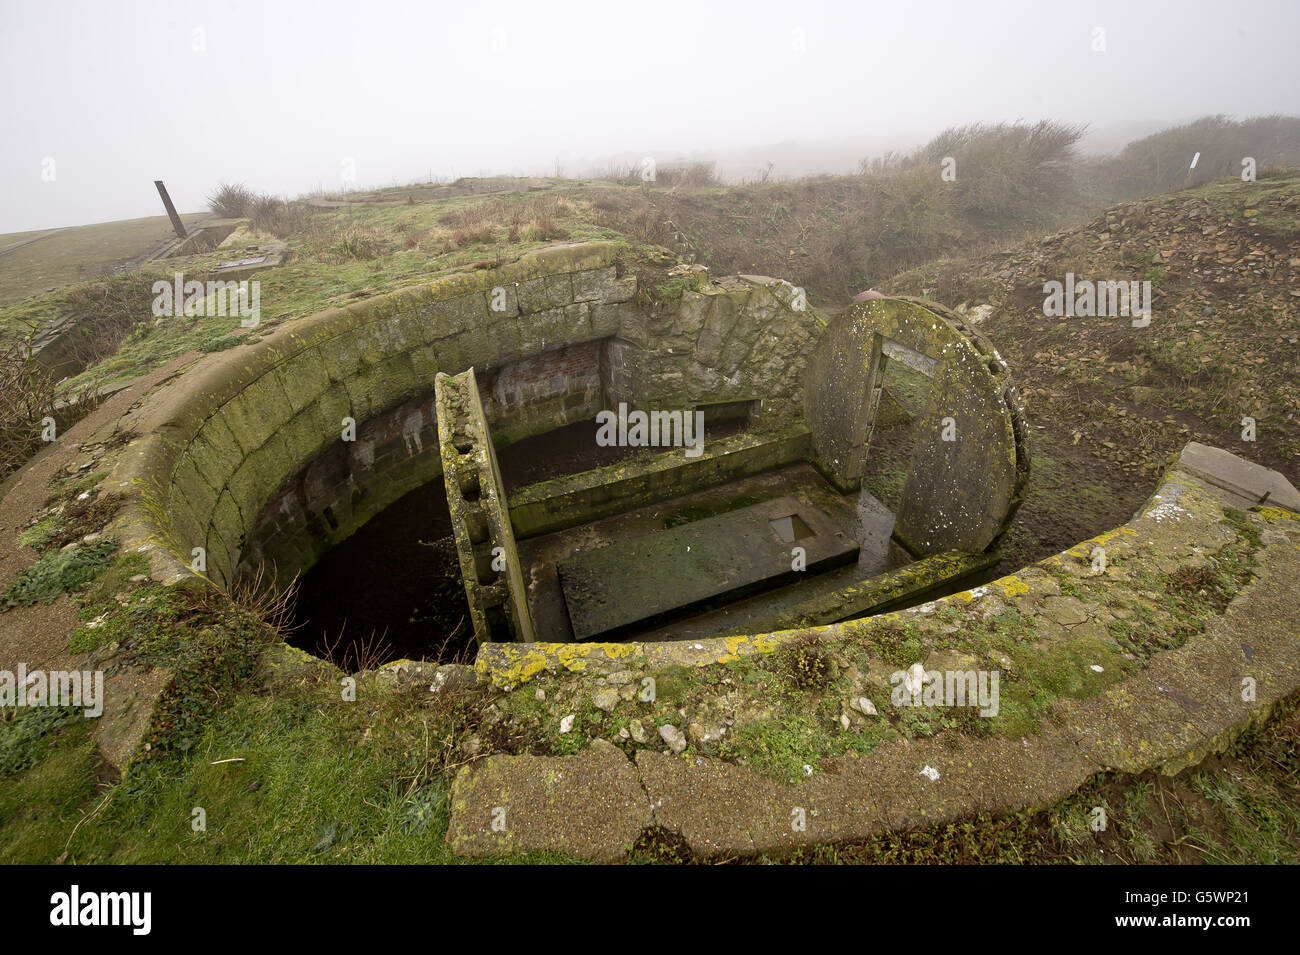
(1242, 807)
(313, 779)
(291, 778)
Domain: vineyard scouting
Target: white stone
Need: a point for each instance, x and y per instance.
(673, 737)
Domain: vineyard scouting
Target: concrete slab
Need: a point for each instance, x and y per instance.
(1251, 483)
(540, 555)
(591, 805)
(646, 578)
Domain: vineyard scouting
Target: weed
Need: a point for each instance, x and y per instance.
(804, 662)
(657, 845)
(58, 572)
(672, 290)
(232, 200)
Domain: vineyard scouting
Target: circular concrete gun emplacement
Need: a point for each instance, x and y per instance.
(668, 518)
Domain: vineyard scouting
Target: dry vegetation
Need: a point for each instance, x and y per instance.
(28, 395)
(513, 218)
(1162, 161)
(32, 394)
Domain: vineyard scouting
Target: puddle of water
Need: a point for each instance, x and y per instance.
(791, 528)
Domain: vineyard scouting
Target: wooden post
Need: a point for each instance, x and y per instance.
(171, 209)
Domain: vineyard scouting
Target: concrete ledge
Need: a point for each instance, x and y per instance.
(1248, 482)
(568, 501)
(883, 592)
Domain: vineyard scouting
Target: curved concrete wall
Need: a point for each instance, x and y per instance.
(263, 425)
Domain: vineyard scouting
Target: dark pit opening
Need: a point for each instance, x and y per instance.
(393, 590)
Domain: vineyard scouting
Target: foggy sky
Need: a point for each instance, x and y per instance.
(282, 96)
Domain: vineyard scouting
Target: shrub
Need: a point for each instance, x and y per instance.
(232, 201)
(1162, 161)
(27, 396)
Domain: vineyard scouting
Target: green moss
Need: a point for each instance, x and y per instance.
(674, 684)
(38, 534)
(779, 747)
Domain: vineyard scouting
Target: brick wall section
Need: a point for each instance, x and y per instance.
(537, 394)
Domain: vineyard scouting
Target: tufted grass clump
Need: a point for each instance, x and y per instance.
(672, 290)
(806, 663)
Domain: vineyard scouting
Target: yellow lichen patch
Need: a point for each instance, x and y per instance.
(1084, 548)
(510, 665)
(572, 656)
(756, 643)
(1012, 586)
(1274, 514)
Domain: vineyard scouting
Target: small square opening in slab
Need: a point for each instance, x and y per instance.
(791, 528)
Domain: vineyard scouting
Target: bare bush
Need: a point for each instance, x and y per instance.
(1161, 162)
(28, 395)
(695, 175)
(368, 653)
(232, 200)
(107, 311)
(260, 596)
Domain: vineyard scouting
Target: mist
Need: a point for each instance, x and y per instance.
(293, 98)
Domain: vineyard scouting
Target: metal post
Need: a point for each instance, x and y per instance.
(171, 209)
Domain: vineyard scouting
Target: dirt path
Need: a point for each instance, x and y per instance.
(38, 635)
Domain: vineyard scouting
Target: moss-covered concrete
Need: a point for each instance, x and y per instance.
(243, 423)
(476, 499)
(590, 495)
(264, 426)
(969, 465)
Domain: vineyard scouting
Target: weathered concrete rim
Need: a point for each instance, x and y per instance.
(1183, 705)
